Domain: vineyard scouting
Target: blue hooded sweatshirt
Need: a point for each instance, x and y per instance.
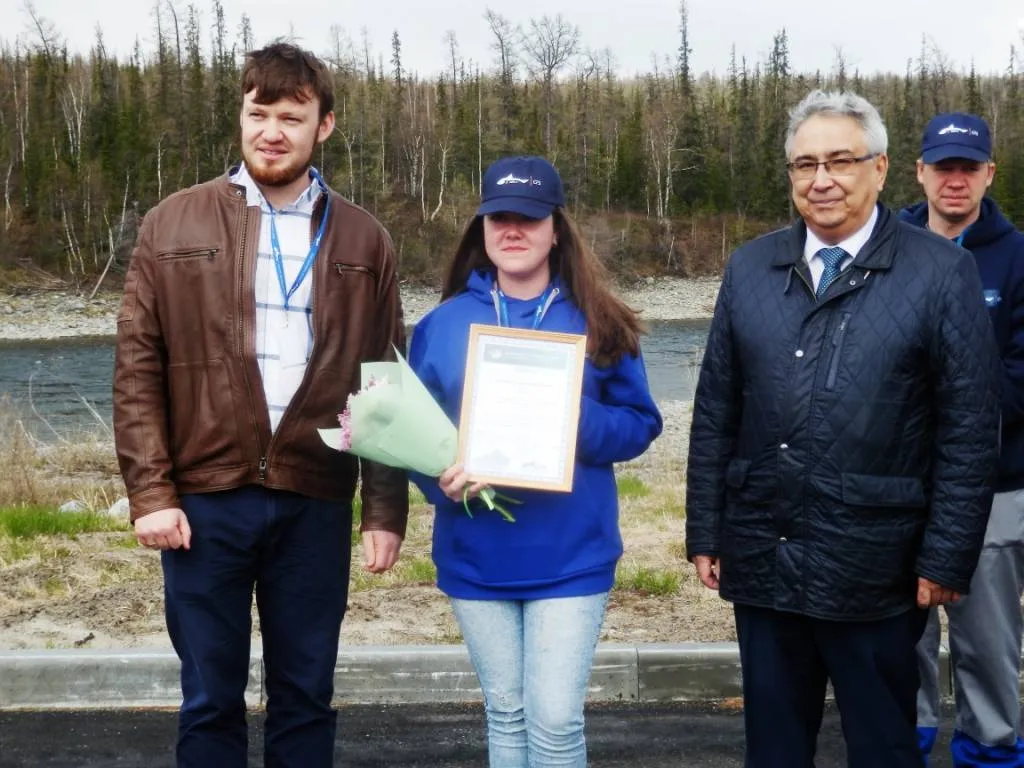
(998, 249)
(561, 544)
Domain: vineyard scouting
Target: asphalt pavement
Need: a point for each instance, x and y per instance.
(408, 736)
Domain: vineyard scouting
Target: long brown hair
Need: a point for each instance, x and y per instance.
(613, 327)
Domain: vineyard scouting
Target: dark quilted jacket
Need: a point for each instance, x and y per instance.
(841, 448)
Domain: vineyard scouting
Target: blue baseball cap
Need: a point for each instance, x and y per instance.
(956, 135)
(529, 186)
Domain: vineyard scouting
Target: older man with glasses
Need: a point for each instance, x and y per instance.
(843, 447)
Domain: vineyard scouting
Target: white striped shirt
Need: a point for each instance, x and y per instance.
(284, 340)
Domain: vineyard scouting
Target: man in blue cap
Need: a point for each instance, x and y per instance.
(956, 170)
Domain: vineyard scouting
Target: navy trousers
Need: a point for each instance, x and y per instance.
(294, 552)
(788, 659)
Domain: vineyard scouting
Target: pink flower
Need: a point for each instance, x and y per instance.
(345, 417)
(345, 420)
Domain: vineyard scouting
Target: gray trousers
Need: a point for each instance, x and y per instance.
(984, 637)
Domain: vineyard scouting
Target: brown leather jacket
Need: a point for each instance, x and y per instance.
(190, 415)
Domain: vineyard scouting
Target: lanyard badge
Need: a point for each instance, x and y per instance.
(538, 315)
(314, 247)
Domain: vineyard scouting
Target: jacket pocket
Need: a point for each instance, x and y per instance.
(749, 489)
(187, 253)
(202, 421)
(736, 473)
(837, 350)
(882, 491)
(342, 269)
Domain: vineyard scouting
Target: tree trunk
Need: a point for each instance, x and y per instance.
(444, 176)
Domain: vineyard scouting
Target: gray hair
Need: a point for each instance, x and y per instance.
(840, 104)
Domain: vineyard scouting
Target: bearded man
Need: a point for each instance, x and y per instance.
(250, 302)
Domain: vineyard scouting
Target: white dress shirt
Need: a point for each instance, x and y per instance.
(852, 245)
(284, 340)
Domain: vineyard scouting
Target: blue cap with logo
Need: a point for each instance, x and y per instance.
(529, 186)
(956, 135)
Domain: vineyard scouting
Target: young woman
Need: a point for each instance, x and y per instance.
(530, 596)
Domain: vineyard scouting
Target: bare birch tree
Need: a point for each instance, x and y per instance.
(504, 45)
(549, 45)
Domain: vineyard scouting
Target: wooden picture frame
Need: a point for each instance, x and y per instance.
(521, 407)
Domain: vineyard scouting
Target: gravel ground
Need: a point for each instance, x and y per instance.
(56, 315)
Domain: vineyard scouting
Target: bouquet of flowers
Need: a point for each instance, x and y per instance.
(393, 420)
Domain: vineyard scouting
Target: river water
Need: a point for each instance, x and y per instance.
(65, 381)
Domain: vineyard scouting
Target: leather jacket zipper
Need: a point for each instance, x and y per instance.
(197, 253)
(341, 269)
(241, 336)
(837, 349)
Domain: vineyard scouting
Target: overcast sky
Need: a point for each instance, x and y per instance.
(874, 35)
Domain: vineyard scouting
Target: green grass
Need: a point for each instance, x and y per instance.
(24, 522)
(357, 519)
(420, 569)
(663, 508)
(408, 571)
(670, 507)
(647, 581)
(631, 487)
(55, 588)
(16, 550)
(678, 550)
(128, 541)
(113, 572)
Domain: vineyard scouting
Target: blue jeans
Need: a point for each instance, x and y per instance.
(533, 659)
(293, 551)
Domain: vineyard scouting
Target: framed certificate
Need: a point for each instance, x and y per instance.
(521, 407)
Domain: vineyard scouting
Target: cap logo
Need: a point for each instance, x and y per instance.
(513, 179)
(953, 128)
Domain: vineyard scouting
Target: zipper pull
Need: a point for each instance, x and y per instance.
(840, 329)
(263, 469)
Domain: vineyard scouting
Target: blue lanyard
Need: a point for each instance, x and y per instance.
(314, 247)
(538, 315)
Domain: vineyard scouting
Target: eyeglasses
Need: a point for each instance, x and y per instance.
(838, 166)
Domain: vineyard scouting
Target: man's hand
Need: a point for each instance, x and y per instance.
(930, 594)
(164, 529)
(707, 570)
(380, 550)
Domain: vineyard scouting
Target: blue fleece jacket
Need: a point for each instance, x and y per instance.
(998, 249)
(562, 544)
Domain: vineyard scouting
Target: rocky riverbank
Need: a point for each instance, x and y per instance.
(48, 315)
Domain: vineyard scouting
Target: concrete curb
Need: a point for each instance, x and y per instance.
(132, 679)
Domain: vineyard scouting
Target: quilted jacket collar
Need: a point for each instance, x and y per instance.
(876, 254)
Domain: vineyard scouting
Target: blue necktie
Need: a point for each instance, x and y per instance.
(832, 258)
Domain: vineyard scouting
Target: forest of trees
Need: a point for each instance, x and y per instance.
(666, 172)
